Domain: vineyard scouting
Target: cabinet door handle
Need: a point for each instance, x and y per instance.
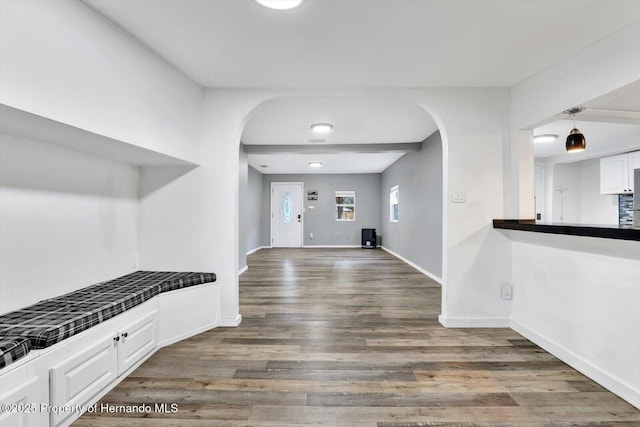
(126, 334)
(116, 339)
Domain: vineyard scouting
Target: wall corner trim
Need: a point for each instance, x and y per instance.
(230, 323)
(474, 322)
(608, 381)
(417, 267)
(254, 250)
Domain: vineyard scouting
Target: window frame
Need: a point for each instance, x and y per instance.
(394, 214)
(344, 193)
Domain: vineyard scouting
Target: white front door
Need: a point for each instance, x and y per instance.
(286, 214)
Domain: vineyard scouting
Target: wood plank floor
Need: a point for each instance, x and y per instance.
(350, 337)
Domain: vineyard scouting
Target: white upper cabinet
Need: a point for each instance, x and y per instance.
(634, 163)
(616, 173)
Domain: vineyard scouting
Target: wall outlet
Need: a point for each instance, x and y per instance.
(311, 235)
(507, 291)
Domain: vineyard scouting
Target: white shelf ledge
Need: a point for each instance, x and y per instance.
(23, 124)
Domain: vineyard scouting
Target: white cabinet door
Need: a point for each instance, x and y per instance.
(77, 379)
(136, 340)
(634, 163)
(24, 408)
(614, 175)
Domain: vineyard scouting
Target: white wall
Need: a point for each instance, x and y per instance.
(67, 220)
(581, 200)
(596, 208)
(62, 60)
(577, 297)
(605, 66)
(197, 210)
(566, 194)
(476, 260)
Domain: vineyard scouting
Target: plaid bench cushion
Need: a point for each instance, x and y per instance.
(12, 349)
(51, 321)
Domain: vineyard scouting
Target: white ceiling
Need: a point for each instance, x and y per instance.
(602, 139)
(364, 120)
(367, 43)
(331, 162)
(611, 125)
(355, 119)
(370, 44)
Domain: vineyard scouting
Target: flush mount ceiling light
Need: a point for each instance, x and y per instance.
(575, 140)
(547, 137)
(315, 164)
(280, 4)
(322, 128)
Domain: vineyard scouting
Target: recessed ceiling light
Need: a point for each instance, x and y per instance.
(322, 128)
(280, 4)
(547, 137)
(315, 164)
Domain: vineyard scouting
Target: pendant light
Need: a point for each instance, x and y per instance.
(575, 140)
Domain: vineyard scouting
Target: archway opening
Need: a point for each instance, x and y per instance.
(278, 144)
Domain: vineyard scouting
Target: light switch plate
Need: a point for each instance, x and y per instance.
(506, 291)
(458, 196)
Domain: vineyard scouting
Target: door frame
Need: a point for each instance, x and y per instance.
(272, 216)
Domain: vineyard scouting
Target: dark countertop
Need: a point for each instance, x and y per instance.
(621, 232)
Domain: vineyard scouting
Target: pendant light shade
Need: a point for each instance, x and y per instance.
(575, 141)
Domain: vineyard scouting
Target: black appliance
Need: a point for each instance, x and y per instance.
(369, 238)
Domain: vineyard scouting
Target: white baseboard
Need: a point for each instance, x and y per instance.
(230, 323)
(330, 246)
(615, 385)
(474, 322)
(417, 267)
(243, 269)
(257, 249)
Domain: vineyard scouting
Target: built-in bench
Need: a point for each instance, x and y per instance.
(69, 351)
(12, 349)
(51, 321)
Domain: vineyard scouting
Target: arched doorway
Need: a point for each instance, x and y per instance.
(263, 126)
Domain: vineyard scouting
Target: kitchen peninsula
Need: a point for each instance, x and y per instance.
(576, 293)
(622, 232)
